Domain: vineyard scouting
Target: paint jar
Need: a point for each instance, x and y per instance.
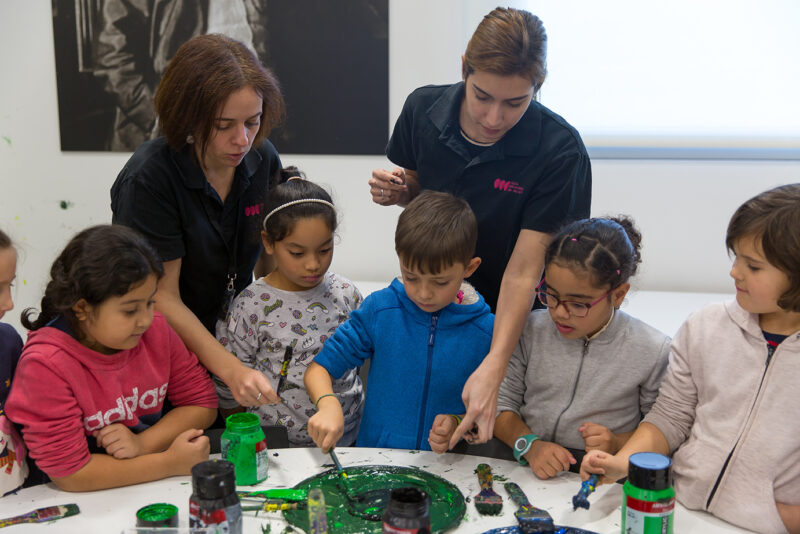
(214, 502)
(648, 498)
(244, 445)
(407, 512)
(158, 515)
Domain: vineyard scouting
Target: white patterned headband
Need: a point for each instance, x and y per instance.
(294, 202)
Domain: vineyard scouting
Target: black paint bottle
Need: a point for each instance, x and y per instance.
(407, 512)
(214, 502)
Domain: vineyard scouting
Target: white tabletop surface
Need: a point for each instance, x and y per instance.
(112, 511)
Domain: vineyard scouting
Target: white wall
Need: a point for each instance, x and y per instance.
(682, 207)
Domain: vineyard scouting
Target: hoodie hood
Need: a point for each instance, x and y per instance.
(451, 315)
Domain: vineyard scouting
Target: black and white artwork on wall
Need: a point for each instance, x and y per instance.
(331, 58)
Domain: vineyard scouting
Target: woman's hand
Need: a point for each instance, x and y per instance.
(118, 441)
(480, 399)
(389, 188)
(250, 387)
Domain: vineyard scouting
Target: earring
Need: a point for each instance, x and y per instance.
(190, 139)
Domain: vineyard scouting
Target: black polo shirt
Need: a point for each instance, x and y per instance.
(165, 195)
(537, 177)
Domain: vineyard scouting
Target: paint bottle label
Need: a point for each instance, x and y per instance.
(219, 521)
(388, 529)
(262, 460)
(644, 517)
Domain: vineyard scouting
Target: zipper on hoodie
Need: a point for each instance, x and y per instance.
(574, 387)
(426, 384)
(770, 353)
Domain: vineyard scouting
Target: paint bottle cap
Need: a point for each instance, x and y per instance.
(157, 515)
(408, 503)
(213, 479)
(650, 471)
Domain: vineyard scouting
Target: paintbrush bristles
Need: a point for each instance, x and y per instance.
(581, 499)
(487, 502)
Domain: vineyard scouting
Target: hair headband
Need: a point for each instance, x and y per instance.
(294, 202)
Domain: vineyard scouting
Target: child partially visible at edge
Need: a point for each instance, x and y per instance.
(584, 372)
(729, 409)
(98, 364)
(423, 335)
(278, 324)
(13, 468)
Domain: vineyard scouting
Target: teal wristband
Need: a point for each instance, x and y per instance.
(322, 397)
(522, 446)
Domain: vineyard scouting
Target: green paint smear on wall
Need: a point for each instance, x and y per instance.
(447, 501)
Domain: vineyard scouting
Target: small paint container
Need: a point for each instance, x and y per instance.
(648, 502)
(157, 515)
(244, 445)
(408, 512)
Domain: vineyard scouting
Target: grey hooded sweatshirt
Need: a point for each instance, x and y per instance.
(556, 384)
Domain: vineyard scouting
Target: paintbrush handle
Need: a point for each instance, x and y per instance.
(337, 463)
(485, 476)
(516, 494)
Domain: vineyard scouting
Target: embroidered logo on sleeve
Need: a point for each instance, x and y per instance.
(508, 185)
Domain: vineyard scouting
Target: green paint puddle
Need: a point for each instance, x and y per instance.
(447, 502)
(500, 478)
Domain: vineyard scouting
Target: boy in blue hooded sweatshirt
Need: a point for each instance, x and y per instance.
(424, 334)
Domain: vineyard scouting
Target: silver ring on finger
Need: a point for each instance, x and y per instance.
(382, 193)
(258, 396)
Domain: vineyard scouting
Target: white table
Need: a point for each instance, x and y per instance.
(111, 511)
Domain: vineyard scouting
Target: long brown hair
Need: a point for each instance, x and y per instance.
(508, 42)
(201, 76)
(98, 263)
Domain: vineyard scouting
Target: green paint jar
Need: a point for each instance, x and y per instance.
(244, 445)
(648, 498)
(157, 515)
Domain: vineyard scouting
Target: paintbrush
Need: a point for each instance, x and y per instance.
(581, 499)
(287, 357)
(530, 518)
(368, 505)
(41, 515)
(285, 494)
(275, 507)
(487, 502)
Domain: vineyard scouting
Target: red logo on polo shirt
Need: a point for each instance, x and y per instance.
(508, 185)
(255, 209)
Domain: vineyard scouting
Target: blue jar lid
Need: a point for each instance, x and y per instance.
(650, 471)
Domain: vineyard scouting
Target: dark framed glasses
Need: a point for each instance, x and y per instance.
(575, 309)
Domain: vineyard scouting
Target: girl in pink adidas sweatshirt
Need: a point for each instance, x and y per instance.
(729, 409)
(90, 385)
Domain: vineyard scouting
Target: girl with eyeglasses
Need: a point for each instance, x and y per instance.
(584, 372)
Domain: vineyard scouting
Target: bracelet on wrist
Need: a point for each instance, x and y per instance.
(522, 446)
(456, 417)
(316, 404)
